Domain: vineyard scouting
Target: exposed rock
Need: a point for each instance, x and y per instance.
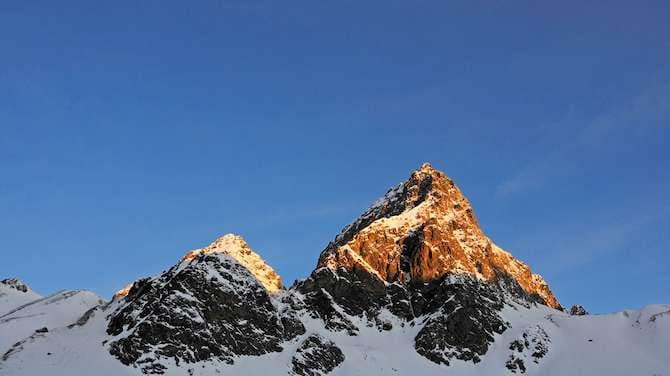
(15, 284)
(577, 310)
(315, 357)
(354, 290)
(420, 231)
(532, 345)
(236, 247)
(209, 306)
(88, 315)
(420, 253)
(463, 318)
(515, 364)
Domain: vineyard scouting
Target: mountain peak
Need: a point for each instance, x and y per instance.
(427, 167)
(223, 244)
(421, 230)
(236, 247)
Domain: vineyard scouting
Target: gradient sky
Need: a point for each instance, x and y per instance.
(131, 133)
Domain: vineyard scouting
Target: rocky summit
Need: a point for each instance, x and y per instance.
(413, 285)
(421, 231)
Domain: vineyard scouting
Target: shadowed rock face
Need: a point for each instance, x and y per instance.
(577, 310)
(206, 307)
(463, 319)
(316, 356)
(531, 346)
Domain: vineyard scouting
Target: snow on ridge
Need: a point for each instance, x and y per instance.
(239, 251)
(15, 293)
(237, 248)
(54, 311)
(579, 345)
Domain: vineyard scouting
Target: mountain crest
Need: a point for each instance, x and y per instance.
(236, 247)
(421, 230)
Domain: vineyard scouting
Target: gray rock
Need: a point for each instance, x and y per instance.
(211, 308)
(577, 310)
(315, 357)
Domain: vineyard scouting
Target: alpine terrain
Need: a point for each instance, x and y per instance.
(412, 286)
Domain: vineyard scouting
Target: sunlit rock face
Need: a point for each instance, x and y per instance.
(122, 293)
(422, 230)
(419, 253)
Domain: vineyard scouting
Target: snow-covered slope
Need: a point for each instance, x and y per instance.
(15, 293)
(54, 311)
(624, 343)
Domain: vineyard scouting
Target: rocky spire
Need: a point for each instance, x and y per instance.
(421, 230)
(236, 247)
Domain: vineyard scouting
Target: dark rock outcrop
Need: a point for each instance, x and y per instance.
(463, 316)
(460, 314)
(515, 365)
(15, 283)
(207, 307)
(315, 357)
(532, 345)
(577, 310)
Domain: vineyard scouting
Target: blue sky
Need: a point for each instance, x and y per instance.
(131, 133)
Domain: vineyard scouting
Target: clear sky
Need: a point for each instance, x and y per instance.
(130, 133)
